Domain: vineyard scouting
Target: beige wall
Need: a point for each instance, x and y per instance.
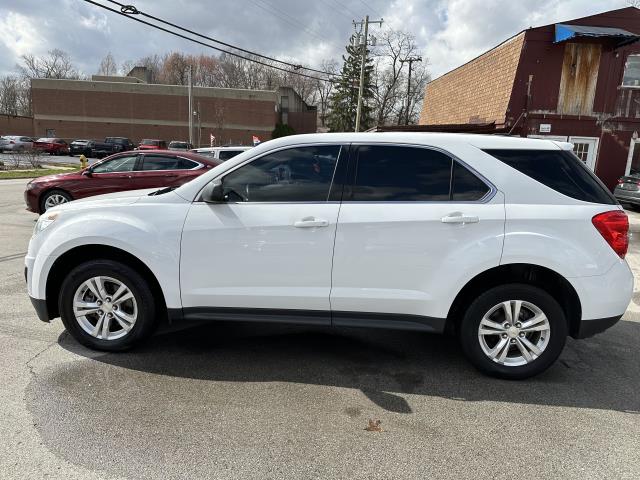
(476, 92)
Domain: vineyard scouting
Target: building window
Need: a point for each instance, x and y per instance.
(631, 76)
(582, 151)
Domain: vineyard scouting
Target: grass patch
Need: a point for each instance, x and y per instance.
(36, 172)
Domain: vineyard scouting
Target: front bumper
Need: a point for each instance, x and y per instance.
(31, 199)
(41, 308)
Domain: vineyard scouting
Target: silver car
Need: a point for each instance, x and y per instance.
(628, 190)
(15, 143)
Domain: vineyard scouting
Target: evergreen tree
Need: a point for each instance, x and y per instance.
(344, 100)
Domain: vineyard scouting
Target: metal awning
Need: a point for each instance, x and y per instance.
(566, 32)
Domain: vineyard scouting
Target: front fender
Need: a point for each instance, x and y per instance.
(132, 229)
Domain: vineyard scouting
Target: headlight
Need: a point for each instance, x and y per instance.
(44, 221)
(30, 185)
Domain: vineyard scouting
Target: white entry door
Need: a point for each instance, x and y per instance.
(586, 149)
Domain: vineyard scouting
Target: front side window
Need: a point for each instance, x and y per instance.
(302, 174)
(399, 174)
(119, 164)
(163, 162)
(631, 76)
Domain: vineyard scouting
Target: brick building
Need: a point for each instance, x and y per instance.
(130, 107)
(576, 81)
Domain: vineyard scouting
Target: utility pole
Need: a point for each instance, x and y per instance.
(190, 91)
(364, 42)
(410, 60)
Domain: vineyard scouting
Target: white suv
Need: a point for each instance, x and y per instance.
(511, 244)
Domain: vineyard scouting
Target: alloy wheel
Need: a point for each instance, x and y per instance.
(105, 308)
(514, 333)
(54, 199)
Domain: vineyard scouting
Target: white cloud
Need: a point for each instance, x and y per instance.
(450, 32)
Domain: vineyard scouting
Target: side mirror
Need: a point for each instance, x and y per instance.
(87, 173)
(213, 192)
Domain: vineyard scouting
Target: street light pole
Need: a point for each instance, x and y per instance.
(364, 42)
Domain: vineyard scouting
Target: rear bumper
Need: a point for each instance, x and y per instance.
(588, 328)
(31, 199)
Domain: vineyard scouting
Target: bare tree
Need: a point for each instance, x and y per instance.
(108, 65)
(390, 77)
(324, 90)
(10, 95)
(56, 64)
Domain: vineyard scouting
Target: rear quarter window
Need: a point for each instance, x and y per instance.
(560, 170)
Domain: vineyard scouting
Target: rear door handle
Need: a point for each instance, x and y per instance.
(309, 222)
(459, 218)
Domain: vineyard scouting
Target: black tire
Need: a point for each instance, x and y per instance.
(139, 287)
(50, 193)
(469, 331)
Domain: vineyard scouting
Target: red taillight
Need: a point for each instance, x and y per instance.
(614, 228)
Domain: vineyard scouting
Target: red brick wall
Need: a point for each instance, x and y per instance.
(477, 92)
(14, 125)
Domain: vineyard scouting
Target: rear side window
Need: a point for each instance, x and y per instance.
(227, 154)
(560, 170)
(400, 174)
(160, 162)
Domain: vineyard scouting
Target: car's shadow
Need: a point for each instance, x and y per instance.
(598, 373)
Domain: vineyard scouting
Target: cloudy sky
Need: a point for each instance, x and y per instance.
(449, 32)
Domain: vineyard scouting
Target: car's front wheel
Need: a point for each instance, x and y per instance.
(513, 331)
(107, 305)
(53, 198)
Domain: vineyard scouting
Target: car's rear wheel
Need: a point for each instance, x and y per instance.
(52, 198)
(513, 331)
(107, 305)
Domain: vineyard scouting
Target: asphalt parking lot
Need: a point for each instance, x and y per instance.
(229, 401)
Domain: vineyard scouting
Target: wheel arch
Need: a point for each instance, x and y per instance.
(77, 255)
(542, 277)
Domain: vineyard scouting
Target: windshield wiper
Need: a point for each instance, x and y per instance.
(162, 190)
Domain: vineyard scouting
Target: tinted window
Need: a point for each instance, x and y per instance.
(301, 174)
(120, 164)
(227, 154)
(161, 162)
(387, 173)
(557, 169)
(465, 186)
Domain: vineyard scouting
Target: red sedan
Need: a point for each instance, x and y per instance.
(52, 146)
(152, 144)
(122, 171)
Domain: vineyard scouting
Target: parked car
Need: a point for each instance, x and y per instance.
(180, 145)
(122, 171)
(152, 144)
(512, 244)
(52, 146)
(221, 153)
(120, 144)
(79, 147)
(15, 143)
(111, 145)
(627, 190)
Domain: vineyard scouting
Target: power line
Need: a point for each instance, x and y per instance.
(128, 10)
(293, 72)
(377, 12)
(273, 10)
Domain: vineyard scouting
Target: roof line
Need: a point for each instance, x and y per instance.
(481, 55)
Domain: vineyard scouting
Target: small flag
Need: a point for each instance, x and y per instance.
(212, 138)
(256, 140)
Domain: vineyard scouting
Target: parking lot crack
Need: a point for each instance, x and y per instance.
(29, 363)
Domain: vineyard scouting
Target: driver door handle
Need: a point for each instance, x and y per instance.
(458, 217)
(309, 222)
